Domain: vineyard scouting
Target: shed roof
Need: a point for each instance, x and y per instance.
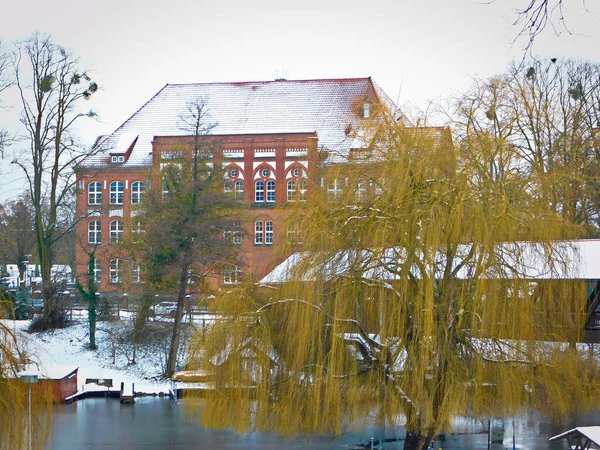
(592, 433)
(575, 260)
(324, 106)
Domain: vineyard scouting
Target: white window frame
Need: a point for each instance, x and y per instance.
(302, 189)
(138, 188)
(269, 232)
(94, 232)
(259, 191)
(232, 275)
(97, 271)
(270, 188)
(117, 192)
(136, 271)
(335, 189)
(258, 232)
(116, 269)
(95, 193)
(291, 190)
(239, 190)
(116, 231)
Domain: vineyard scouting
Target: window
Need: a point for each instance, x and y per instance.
(228, 186)
(302, 190)
(116, 231)
(270, 191)
(291, 190)
(258, 232)
(166, 191)
(335, 189)
(294, 235)
(269, 232)
(366, 110)
(265, 172)
(263, 232)
(361, 191)
(97, 272)
(380, 185)
(116, 267)
(95, 193)
(234, 173)
(116, 193)
(136, 271)
(94, 232)
(239, 190)
(232, 275)
(118, 159)
(234, 234)
(297, 172)
(259, 192)
(137, 231)
(137, 191)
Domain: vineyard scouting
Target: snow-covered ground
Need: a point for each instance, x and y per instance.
(67, 347)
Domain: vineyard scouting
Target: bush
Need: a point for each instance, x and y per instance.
(42, 323)
(23, 309)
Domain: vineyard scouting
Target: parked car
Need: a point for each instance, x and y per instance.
(166, 309)
(37, 304)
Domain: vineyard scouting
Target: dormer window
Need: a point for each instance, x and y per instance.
(118, 159)
(366, 110)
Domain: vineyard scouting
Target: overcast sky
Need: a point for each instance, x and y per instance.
(417, 50)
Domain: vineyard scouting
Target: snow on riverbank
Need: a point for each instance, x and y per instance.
(68, 347)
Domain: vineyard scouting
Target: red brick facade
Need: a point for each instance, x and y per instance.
(272, 139)
(249, 159)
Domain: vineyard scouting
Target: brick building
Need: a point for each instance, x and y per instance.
(275, 141)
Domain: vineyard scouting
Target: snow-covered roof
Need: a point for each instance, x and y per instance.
(592, 433)
(570, 260)
(324, 106)
(58, 272)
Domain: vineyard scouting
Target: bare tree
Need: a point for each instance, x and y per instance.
(51, 88)
(5, 83)
(17, 233)
(538, 15)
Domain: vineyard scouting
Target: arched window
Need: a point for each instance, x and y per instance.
(239, 190)
(116, 193)
(270, 191)
(116, 231)
(95, 193)
(269, 232)
(259, 192)
(94, 232)
(228, 186)
(137, 191)
(258, 232)
(291, 190)
(302, 190)
(263, 232)
(116, 269)
(97, 272)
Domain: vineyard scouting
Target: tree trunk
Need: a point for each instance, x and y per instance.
(173, 351)
(417, 441)
(92, 321)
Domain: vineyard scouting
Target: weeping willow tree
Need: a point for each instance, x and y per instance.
(424, 291)
(14, 406)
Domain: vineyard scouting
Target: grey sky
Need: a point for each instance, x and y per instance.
(416, 50)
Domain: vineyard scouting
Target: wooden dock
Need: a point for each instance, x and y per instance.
(127, 394)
